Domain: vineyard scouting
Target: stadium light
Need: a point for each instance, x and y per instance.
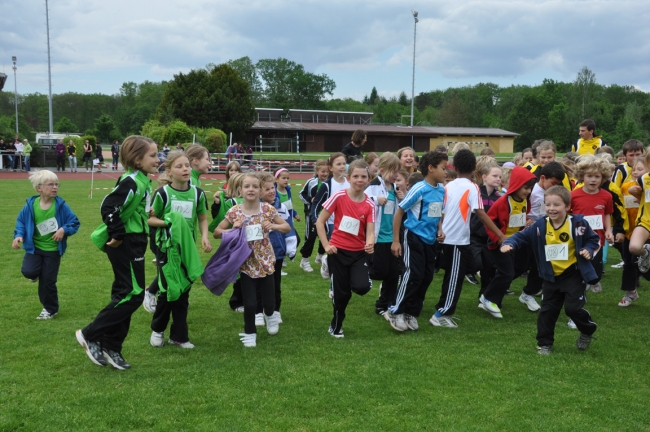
(415, 18)
(13, 59)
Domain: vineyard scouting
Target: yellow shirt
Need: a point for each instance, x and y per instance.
(517, 218)
(644, 203)
(584, 147)
(561, 236)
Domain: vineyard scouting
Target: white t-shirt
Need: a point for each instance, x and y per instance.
(336, 186)
(462, 198)
(537, 209)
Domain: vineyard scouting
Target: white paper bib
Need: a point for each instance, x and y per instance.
(349, 225)
(48, 226)
(254, 232)
(558, 252)
(517, 220)
(389, 207)
(435, 209)
(182, 207)
(595, 222)
(629, 201)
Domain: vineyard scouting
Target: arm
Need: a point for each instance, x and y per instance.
(370, 237)
(223, 227)
(396, 247)
(113, 205)
(19, 231)
(608, 227)
(591, 244)
(304, 194)
(322, 233)
(69, 224)
(203, 227)
(518, 240)
(279, 225)
(490, 225)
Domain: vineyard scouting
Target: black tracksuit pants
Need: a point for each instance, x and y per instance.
(454, 261)
(348, 274)
(176, 310)
(387, 268)
(507, 266)
(44, 265)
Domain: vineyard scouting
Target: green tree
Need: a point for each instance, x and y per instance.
(155, 130)
(248, 72)
(177, 132)
(65, 125)
(104, 126)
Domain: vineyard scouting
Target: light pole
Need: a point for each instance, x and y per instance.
(415, 24)
(13, 59)
(49, 67)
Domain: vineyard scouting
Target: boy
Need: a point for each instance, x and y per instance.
(423, 206)
(307, 195)
(563, 246)
(43, 226)
(509, 214)
(462, 197)
(632, 149)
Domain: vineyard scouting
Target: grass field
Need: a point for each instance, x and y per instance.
(484, 375)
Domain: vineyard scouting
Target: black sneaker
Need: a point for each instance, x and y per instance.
(471, 279)
(116, 360)
(93, 349)
(583, 341)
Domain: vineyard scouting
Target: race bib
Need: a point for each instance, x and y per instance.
(182, 207)
(435, 210)
(48, 226)
(288, 204)
(517, 220)
(147, 203)
(595, 222)
(349, 225)
(254, 232)
(647, 196)
(557, 252)
(629, 201)
(389, 208)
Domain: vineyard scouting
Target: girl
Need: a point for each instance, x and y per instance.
(99, 156)
(352, 239)
(401, 184)
(257, 272)
(232, 168)
(527, 156)
(125, 212)
(307, 195)
(190, 201)
(372, 159)
(72, 155)
(283, 193)
(406, 157)
(88, 155)
(385, 266)
(336, 165)
(199, 161)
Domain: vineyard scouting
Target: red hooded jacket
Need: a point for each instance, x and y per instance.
(500, 211)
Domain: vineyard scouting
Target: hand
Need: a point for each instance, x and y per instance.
(381, 200)
(237, 224)
(216, 197)
(506, 248)
(400, 194)
(330, 250)
(585, 254)
(297, 217)
(634, 190)
(609, 236)
(206, 245)
(267, 226)
(16, 243)
(58, 235)
(440, 237)
(370, 248)
(529, 222)
(114, 243)
(396, 249)
(620, 237)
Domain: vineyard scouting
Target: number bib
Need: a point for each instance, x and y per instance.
(389, 208)
(254, 232)
(629, 201)
(147, 203)
(435, 210)
(349, 225)
(48, 226)
(517, 220)
(557, 252)
(595, 222)
(647, 195)
(182, 207)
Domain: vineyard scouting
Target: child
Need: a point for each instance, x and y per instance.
(336, 164)
(527, 156)
(307, 195)
(199, 161)
(563, 246)
(258, 219)
(406, 157)
(620, 157)
(423, 205)
(99, 155)
(125, 212)
(462, 197)
(372, 159)
(283, 192)
(450, 175)
(43, 227)
(179, 196)
(632, 149)
(641, 232)
(352, 238)
(505, 179)
(232, 168)
(402, 183)
(509, 214)
(487, 151)
(413, 178)
(385, 266)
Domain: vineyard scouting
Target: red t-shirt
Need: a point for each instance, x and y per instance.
(350, 219)
(599, 204)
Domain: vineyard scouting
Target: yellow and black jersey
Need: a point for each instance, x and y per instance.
(560, 258)
(584, 147)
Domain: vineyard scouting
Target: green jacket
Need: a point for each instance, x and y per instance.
(27, 149)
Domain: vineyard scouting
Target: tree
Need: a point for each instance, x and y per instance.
(453, 113)
(177, 132)
(65, 125)
(585, 84)
(246, 69)
(403, 99)
(104, 128)
(374, 97)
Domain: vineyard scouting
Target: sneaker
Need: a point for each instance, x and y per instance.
(471, 279)
(494, 314)
(331, 292)
(338, 335)
(396, 321)
(249, 340)
(380, 311)
(530, 302)
(45, 315)
(411, 322)
(443, 321)
(508, 292)
(572, 325)
(488, 305)
(239, 309)
(34, 280)
(149, 303)
(319, 259)
(116, 360)
(93, 350)
(596, 288)
(324, 269)
(619, 265)
(644, 261)
(544, 350)
(629, 298)
(272, 323)
(186, 345)
(283, 273)
(259, 320)
(305, 265)
(583, 341)
(284, 263)
(157, 339)
(279, 317)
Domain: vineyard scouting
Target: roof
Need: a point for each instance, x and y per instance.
(441, 130)
(340, 127)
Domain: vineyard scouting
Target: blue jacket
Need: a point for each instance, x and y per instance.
(283, 244)
(25, 225)
(277, 197)
(534, 237)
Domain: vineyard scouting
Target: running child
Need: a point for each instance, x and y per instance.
(307, 196)
(257, 219)
(352, 239)
(200, 162)
(43, 227)
(283, 192)
(632, 149)
(125, 212)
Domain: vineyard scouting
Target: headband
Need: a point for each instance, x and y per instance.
(277, 173)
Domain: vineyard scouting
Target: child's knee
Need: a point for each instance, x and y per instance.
(360, 288)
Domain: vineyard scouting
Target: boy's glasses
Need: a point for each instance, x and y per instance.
(51, 185)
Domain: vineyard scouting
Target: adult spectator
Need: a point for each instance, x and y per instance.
(588, 142)
(99, 155)
(353, 150)
(27, 152)
(231, 151)
(88, 155)
(179, 146)
(72, 155)
(5, 156)
(165, 149)
(240, 153)
(115, 153)
(18, 162)
(59, 151)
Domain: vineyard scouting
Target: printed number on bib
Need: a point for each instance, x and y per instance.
(349, 225)
(254, 232)
(595, 222)
(47, 227)
(629, 201)
(557, 252)
(517, 220)
(435, 209)
(183, 207)
(389, 208)
(647, 196)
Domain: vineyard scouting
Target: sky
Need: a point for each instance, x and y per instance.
(98, 45)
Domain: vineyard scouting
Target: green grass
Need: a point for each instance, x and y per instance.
(484, 375)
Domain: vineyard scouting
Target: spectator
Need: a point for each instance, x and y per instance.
(165, 149)
(115, 153)
(59, 150)
(353, 149)
(27, 151)
(179, 146)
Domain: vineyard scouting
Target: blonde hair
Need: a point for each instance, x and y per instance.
(39, 178)
(250, 174)
(546, 145)
(460, 146)
(370, 158)
(487, 151)
(561, 192)
(518, 159)
(640, 159)
(195, 151)
(401, 151)
(484, 165)
(231, 164)
(163, 179)
(265, 177)
(358, 163)
(172, 156)
(389, 164)
(505, 175)
(134, 149)
(234, 182)
(590, 164)
(319, 164)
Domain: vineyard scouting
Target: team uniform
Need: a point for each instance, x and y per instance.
(307, 194)
(584, 147)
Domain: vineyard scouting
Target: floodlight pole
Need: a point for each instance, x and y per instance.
(13, 58)
(415, 24)
(49, 66)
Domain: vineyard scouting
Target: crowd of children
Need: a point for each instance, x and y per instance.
(385, 217)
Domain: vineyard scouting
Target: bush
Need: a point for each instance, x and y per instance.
(155, 130)
(176, 132)
(78, 143)
(90, 138)
(215, 141)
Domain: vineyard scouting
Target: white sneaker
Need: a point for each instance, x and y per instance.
(572, 325)
(644, 260)
(529, 301)
(396, 321)
(272, 323)
(279, 317)
(488, 305)
(283, 273)
(157, 339)
(629, 298)
(284, 263)
(411, 322)
(149, 304)
(494, 314)
(239, 309)
(324, 269)
(596, 288)
(249, 340)
(45, 315)
(259, 320)
(619, 265)
(305, 265)
(319, 258)
(443, 321)
(186, 345)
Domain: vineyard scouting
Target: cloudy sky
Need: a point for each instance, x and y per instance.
(97, 45)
